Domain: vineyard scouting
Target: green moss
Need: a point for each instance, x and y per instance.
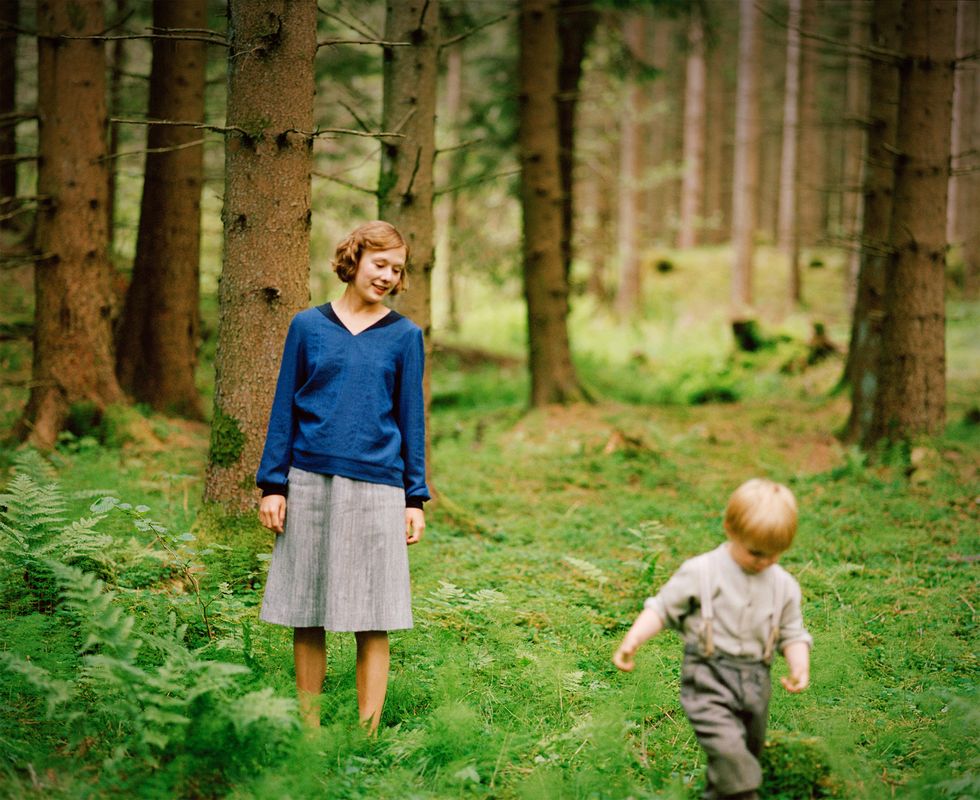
(227, 439)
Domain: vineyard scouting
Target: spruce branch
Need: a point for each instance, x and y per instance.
(150, 150)
(342, 182)
(365, 29)
(16, 117)
(378, 42)
(475, 29)
(475, 181)
(19, 157)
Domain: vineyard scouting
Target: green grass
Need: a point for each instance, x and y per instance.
(558, 523)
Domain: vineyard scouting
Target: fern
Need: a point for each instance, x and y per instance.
(589, 569)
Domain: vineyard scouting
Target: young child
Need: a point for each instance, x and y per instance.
(734, 606)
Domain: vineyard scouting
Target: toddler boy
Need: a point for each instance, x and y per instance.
(734, 606)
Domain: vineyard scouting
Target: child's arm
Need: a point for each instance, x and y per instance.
(798, 659)
(646, 626)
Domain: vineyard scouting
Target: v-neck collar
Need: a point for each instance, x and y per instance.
(327, 310)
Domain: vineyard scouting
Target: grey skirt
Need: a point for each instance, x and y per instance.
(341, 562)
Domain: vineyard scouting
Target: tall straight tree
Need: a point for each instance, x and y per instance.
(911, 396)
(856, 114)
(9, 18)
(692, 186)
(267, 218)
(787, 231)
(553, 378)
(633, 121)
(405, 185)
(864, 352)
(746, 179)
(73, 361)
(964, 184)
(576, 25)
(156, 343)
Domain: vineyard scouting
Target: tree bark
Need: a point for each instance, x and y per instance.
(854, 143)
(745, 181)
(692, 186)
(964, 184)
(157, 338)
(911, 397)
(117, 63)
(720, 133)
(405, 193)
(788, 235)
(553, 378)
(576, 24)
(629, 291)
(448, 208)
(9, 16)
(864, 352)
(72, 338)
(267, 217)
(810, 197)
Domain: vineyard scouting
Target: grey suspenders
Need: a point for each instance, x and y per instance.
(707, 618)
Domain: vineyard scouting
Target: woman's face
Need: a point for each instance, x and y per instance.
(378, 272)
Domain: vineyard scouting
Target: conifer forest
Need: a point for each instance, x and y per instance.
(656, 248)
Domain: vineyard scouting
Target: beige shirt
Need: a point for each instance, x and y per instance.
(743, 604)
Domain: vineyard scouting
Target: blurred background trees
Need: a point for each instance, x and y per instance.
(775, 135)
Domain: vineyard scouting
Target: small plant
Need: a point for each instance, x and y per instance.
(795, 768)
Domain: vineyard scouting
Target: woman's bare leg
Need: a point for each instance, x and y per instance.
(372, 676)
(310, 657)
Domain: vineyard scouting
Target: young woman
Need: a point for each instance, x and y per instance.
(346, 446)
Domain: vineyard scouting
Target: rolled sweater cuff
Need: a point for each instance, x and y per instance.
(274, 488)
(414, 502)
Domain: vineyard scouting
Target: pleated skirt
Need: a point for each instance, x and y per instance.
(341, 563)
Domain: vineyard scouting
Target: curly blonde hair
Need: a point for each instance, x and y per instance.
(374, 235)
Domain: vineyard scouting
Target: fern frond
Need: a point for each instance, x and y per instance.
(34, 465)
(79, 539)
(589, 569)
(262, 706)
(54, 690)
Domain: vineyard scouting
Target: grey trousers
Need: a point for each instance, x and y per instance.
(727, 703)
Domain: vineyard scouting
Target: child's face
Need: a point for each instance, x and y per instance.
(750, 558)
(378, 273)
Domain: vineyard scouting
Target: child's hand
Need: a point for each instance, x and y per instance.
(623, 658)
(796, 682)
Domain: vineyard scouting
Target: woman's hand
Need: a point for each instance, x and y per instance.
(414, 524)
(272, 512)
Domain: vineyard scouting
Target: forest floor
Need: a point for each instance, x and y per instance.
(552, 527)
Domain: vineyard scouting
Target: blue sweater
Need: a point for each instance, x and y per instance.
(349, 405)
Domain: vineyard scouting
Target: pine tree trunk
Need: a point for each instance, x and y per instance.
(692, 186)
(629, 292)
(864, 352)
(810, 199)
(854, 143)
(746, 178)
(787, 236)
(9, 16)
(964, 185)
(576, 24)
(157, 339)
(911, 397)
(72, 338)
(405, 193)
(448, 211)
(720, 132)
(553, 378)
(265, 275)
(117, 63)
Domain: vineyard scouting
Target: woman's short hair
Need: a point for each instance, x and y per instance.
(762, 513)
(374, 235)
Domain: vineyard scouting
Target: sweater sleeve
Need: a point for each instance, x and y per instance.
(791, 619)
(273, 472)
(677, 597)
(411, 418)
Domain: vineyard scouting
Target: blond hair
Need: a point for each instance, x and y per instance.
(761, 513)
(374, 235)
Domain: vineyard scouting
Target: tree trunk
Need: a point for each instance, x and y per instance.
(911, 397)
(787, 236)
(157, 339)
(854, 143)
(692, 186)
(117, 63)
(9, 16)
(405, 185)
(745, 181)
(864, 352)
(720, 133)
(265, 275)
(576, 23)
(629, 292)
(810, 198)
(448, 207)
(964, 185)
(553, 378)
(72, 337)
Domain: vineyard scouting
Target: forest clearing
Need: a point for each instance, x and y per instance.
(545, 281)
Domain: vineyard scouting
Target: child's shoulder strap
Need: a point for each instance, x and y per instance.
(707, 611)
(778, 601)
